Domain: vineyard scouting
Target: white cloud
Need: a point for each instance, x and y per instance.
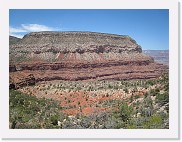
(17, 35)
(26, 28)
(16, 30)
(37, 28)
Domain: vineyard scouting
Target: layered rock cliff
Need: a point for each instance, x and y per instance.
(82, 56)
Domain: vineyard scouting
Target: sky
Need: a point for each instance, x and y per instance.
(148, 27)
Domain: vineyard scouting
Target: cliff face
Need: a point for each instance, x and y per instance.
(52, 46)
(80, 42)
(82, 56)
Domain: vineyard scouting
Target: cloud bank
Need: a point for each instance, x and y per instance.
(25, 28)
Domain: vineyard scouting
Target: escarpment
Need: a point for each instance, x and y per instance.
(81, 56)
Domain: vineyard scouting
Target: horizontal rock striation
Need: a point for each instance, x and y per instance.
(82, 56)
(20, 79)
(50, 45)
(79, 42)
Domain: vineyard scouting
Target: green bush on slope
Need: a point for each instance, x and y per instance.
(27, 111)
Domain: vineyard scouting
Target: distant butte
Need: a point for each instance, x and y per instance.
(74, 56)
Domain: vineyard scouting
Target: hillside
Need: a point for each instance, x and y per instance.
(81, 56)
(13, 40)
(86, 80)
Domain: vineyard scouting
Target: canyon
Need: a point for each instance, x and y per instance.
(86, 80)
(79, 56)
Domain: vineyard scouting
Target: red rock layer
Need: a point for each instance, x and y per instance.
(80, 56)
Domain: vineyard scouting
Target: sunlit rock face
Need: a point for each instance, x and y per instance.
(81, 56)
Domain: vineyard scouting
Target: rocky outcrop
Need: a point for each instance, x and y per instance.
(80, 42)
(50, 46)
(12, 68)
(82, 56)
(20, 79)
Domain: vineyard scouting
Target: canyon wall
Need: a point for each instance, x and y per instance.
(81, 56)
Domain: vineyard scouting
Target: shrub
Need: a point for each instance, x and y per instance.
(28, 112)
(78, 103)
(162, 98)
(126, 90)
(154, 122)
(146, 95)
(125, 111)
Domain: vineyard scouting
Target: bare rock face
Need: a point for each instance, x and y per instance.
(20, 79)
(82, 56)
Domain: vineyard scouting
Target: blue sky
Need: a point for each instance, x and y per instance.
(150, 28)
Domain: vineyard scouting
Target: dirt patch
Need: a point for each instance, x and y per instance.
(85, 97)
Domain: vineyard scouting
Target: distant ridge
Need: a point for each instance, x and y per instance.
(13, 40)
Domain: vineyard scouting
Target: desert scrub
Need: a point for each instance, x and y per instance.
(28, 112)
(162, 99)
(126, 90)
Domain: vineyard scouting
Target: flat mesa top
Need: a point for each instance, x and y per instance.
(73, 41)
(75, 33)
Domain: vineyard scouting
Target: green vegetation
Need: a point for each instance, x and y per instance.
(147, 111)
(29, 112)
